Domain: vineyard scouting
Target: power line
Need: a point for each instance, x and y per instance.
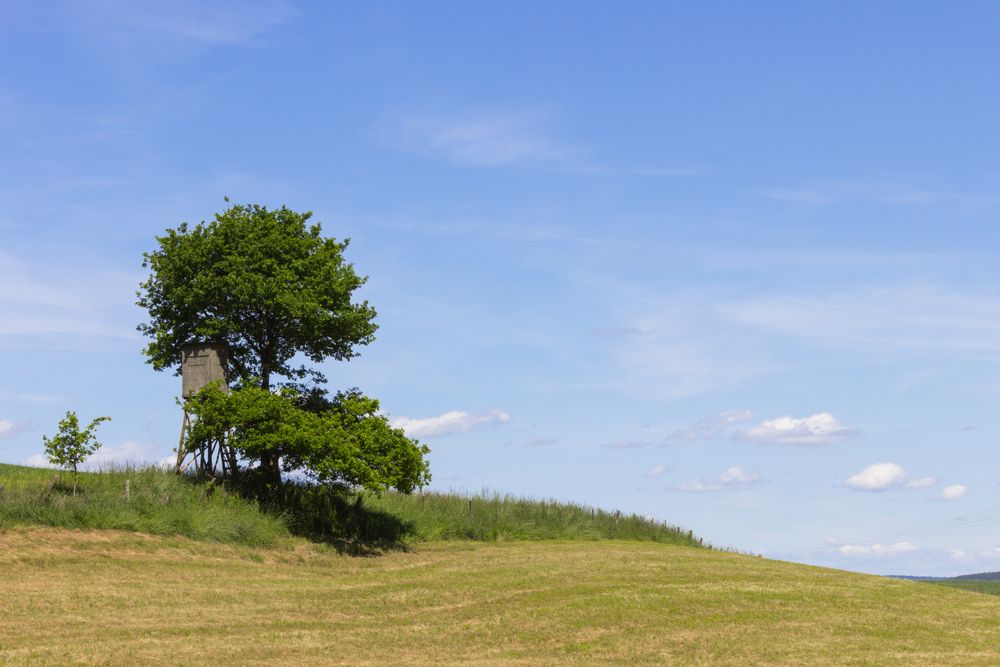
(950, 525)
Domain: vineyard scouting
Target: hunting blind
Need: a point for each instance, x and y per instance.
(201, 365)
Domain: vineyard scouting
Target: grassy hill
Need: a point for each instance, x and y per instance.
(537, 583)
(161, 503)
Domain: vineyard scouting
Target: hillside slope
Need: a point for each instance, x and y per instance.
(126, 598)
(161, 503)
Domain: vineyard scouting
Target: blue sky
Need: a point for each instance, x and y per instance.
(730, 266)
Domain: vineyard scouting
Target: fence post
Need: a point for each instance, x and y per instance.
(128, 490)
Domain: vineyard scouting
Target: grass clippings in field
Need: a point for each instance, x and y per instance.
(120, 598)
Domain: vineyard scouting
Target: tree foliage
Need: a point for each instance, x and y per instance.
(262, 281)
(342, 440)
(72, 445)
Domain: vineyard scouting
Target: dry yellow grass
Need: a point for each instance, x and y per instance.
(123, 598)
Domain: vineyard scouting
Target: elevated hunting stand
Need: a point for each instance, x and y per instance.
(201, 365)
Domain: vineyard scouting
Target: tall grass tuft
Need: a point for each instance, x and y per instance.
(255, 513)
(158, 502)
(495, 516)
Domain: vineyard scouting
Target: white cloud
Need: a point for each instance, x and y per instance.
(9, 428)
(454, 421)
(818, 429)
(657, 471)
(876, 550)
(735, 478)
(953, 492)
(882, 476)
(878, 477)
(489, 139)
(710, 428)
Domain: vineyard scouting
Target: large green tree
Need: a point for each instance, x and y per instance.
(271, 287)
(264, 282)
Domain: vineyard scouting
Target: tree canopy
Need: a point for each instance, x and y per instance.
(263, 282)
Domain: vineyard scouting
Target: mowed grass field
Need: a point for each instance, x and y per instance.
(108, 597)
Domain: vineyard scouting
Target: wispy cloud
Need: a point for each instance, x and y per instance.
(888, 193)
(633, 444)
(651, 172)
(9, 428)
(215, 23)
(876, 550)
(961, 555)
(705, 429)
(39, 303)
(880, 319)
(656, 471)
(800, 196)
(688, 342)
(735, 478)
(920, 482)
(26, 397)
(484, 139)
(502, 137)
(818, 429)
(711, 428)
(687, 356)
(619, 332)
(453, 421)
(539, 442)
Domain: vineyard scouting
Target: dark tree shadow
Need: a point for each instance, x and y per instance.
(328, 515)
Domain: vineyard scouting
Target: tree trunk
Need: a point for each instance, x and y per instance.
(272, 464)
(269, 463)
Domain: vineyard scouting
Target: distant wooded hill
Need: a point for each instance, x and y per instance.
(982, 576)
